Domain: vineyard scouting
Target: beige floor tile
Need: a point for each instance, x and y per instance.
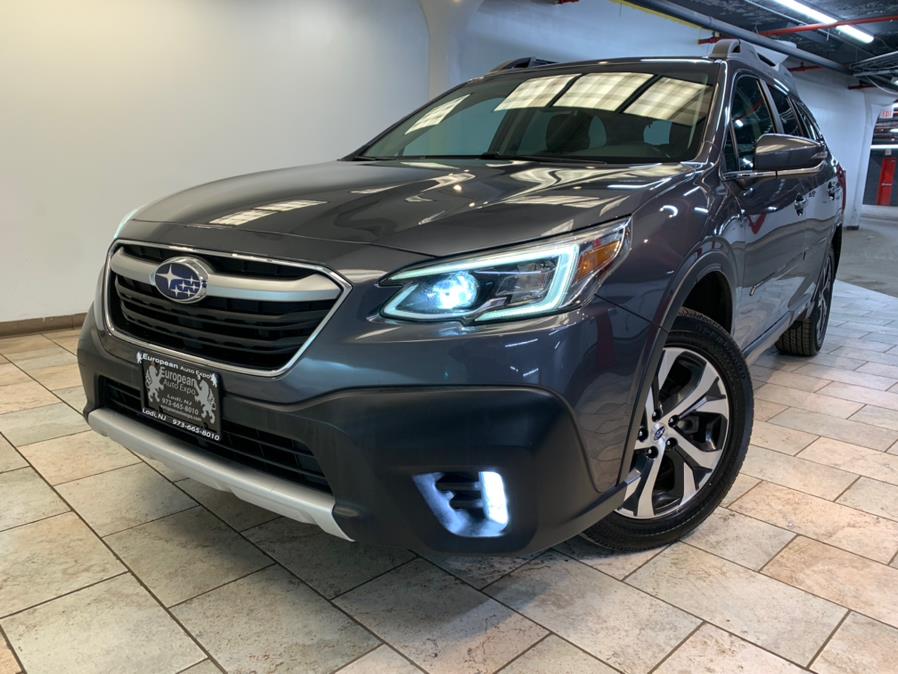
(330, 565)
(796, 381)
(859, 646)
(10, 459)
(478, 570)
(272, 622)
(204, 667)
(742, 484)
(759, 374)
(58, 377)
(796, 473)
(869, 356)
(786, 440)
(877, 416)
(738, 538)
(555, 656)
(8, 664)
(623, 627)
(826, 360)
(123, 498)
(793, 397)
(75, 456)
(180, 556)
(879, 370)
(782, 619)
(239, 514)
(68, 343)
(838, 525)
(55, 359)
(24, 396)
(3, 359)
(616, 564)
(114, 626)
(26, 498)
(872, 496)
(439, 622)
(73, 397)
(711, 650)
(838, 429)
(853, 458)
(765, 409)
(773, 360)
(45, 559)
(170, 473)
(16, 345)
(10, 374)
(862, 394)
(382, 660)
(863, 344)
(850, 580)
(41, 423)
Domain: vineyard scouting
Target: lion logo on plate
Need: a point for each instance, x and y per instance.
(182, 279)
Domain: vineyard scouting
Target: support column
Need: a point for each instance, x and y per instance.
(446, 22)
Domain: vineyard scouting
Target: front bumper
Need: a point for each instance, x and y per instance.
(381, 448)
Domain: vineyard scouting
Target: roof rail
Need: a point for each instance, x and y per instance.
(745, 51)
(520, 63)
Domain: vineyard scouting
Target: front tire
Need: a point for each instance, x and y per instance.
(805, 336)
(692, 441)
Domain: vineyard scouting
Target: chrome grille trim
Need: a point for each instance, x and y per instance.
(282, 288)
(308, 289)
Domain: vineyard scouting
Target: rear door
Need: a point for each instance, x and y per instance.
(818, 189)
(772, 235)
(825, 204)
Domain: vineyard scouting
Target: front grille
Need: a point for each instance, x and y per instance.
(274, 454)
(256, 334)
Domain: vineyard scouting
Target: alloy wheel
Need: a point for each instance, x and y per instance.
(683, 433)
(823, 300)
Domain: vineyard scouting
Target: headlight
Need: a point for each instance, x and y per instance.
(515, 283)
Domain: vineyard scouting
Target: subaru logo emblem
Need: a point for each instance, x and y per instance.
(182, 279)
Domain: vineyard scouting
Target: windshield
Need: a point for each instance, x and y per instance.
(631, 113)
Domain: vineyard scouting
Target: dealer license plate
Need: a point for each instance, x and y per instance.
(181, 395)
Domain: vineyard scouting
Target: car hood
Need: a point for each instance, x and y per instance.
(428, 207)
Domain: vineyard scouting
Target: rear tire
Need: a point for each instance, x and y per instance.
(692, 442)
(805, 336)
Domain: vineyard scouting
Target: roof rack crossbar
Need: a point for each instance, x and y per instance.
(732, 49)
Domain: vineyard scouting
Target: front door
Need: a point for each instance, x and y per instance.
(772, 211)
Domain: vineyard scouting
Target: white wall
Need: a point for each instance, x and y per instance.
(846, 117)
(107, 104)
(590, 29)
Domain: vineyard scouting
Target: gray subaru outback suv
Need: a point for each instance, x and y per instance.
(520, 314)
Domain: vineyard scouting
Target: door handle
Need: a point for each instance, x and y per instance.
(832, 190)
(800, 203)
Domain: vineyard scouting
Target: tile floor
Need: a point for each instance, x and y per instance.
(109, 563)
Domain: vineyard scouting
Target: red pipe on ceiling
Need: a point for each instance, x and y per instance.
(813, 26)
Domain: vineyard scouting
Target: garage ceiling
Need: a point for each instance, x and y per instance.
(766, 15)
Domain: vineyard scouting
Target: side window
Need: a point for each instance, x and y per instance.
(810, 125)
(751, 119)
(787, 113)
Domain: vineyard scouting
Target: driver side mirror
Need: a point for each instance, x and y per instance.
(787, 154)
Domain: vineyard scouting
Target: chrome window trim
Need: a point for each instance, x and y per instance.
(343, 285)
